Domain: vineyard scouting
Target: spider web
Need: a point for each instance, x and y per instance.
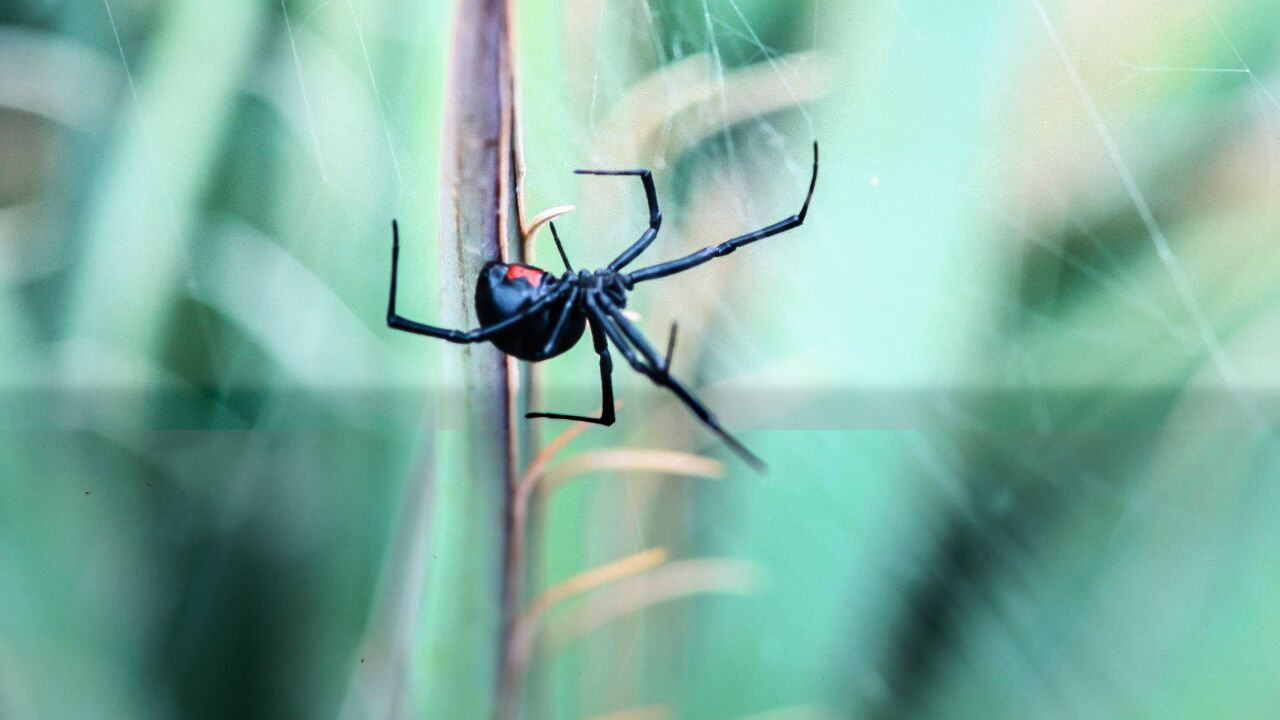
(1013, 378)
(896, 365)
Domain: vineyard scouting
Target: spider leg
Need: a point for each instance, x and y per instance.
(396, 322)
(563, 256)
(671, 348)
(624, 334)
(655, 215)
(607, 416)
(560, 321)
(708, 253)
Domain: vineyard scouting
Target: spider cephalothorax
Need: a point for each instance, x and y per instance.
(528, 313)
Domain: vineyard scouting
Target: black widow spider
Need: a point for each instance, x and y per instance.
(533, 315)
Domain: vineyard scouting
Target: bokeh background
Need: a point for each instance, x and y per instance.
(1015, 379)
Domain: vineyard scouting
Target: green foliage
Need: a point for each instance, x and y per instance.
(1021, 437)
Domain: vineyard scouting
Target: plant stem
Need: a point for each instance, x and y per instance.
(470, 583)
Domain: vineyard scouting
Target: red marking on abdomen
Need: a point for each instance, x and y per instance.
(516, 272)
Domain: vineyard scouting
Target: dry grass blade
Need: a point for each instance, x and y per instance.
(515, 557)
(530, 231)
(671, 582)
(592, 579)
(525, 628)
(553, 448)
(538, 466)
(664, 462)
(537, 476)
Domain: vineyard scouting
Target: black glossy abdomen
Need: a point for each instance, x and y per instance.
(500, 296)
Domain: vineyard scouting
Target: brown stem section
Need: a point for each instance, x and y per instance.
(516, 648)
(477, 216)
(511, 684)
(510, 222)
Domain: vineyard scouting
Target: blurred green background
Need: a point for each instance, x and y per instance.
(1015, 378)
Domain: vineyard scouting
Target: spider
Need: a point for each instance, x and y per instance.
(528, 313)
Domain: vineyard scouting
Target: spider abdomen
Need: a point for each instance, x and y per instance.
(504, 291)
